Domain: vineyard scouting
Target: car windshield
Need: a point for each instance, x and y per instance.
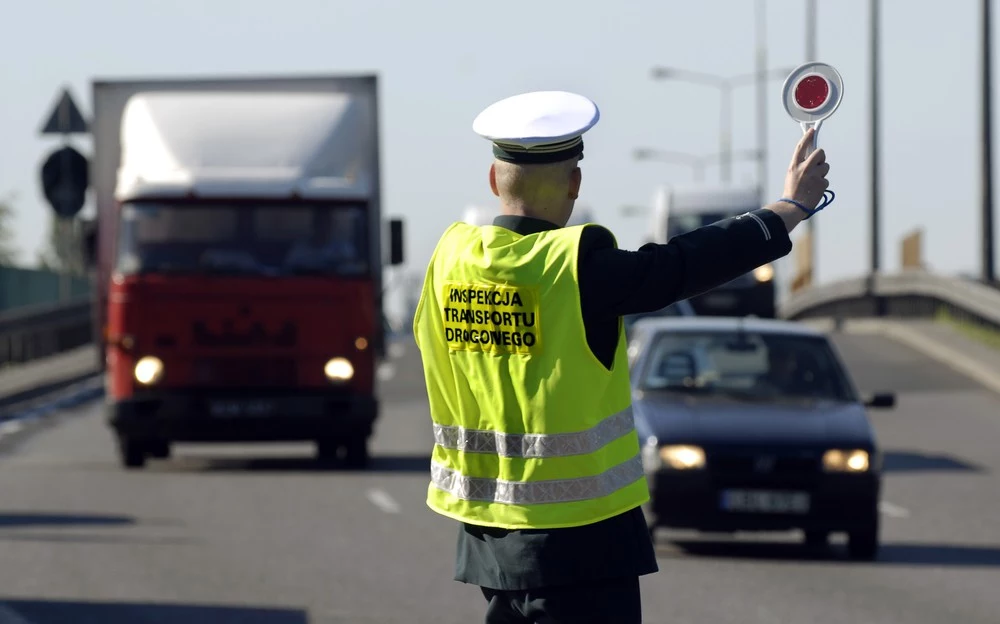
(243, 238)
(745, 366)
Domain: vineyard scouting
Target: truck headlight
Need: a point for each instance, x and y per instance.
(148, 370)
(837, 460)
(764, 273)
(339, 369)
(683, 457)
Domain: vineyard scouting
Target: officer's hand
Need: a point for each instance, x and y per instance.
(806, 177)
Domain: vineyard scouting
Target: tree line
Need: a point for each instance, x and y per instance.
(57, 255)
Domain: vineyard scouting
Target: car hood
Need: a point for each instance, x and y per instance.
(710, 420)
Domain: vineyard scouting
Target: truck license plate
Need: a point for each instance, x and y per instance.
(761, 501)
(236, 408)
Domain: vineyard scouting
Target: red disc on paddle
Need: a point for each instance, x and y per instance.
(812, 92)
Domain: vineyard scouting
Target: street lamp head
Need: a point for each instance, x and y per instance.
(662, 72)
(641, 153)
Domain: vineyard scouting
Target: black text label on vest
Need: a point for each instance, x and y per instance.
(491, 318)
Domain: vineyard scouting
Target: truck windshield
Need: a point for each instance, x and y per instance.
(242, 238)
(682, 224)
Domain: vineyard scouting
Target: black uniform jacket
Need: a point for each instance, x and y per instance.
(615, 283)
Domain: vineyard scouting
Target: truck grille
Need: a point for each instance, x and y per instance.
(257, 372)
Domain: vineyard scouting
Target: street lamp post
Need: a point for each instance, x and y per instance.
(760, 9)
(725, 86)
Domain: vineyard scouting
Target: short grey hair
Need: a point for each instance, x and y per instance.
(538, 186)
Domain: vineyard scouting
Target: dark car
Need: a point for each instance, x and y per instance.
(754, 425)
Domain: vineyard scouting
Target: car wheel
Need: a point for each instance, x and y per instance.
(132, 453)
(160, 450)
(356, 453)
(863, 545)
(817, 538)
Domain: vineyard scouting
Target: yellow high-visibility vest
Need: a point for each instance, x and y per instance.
(531, 430)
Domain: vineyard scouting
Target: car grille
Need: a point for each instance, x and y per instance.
(259, 372)
(763, 467)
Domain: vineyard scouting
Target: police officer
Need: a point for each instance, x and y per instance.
(520, 332)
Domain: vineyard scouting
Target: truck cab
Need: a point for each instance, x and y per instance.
(678, 211)
(243, 293)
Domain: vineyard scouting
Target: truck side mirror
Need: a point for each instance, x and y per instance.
(90, 245)
(395, 242)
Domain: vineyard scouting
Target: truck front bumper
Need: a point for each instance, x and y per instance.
(244, 416)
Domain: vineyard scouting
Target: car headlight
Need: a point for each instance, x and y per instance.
(339, 369)
(837, 460)
(683, 457)
(764, 273)
(148, 370)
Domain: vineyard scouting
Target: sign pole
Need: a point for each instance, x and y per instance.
(987, 145)
(876, 235)
(811, 56)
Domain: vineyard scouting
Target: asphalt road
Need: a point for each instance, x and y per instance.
(261, 535)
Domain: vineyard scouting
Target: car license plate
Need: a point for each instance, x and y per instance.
(237, 408)
(720, 300)
(762, 501)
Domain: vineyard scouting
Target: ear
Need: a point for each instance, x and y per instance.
(493, 180)
(575, 179)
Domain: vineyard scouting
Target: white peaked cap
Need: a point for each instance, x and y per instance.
(538, 127)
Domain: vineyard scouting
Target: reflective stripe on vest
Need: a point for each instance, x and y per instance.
(535, 444)
(537, 492)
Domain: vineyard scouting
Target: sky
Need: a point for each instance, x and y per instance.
(440, 62)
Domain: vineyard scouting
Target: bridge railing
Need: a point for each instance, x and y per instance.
(913, 293)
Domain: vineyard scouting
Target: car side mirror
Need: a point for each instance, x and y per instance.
(395, 242)
(881, 400)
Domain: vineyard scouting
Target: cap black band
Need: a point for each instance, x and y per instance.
(539, 155)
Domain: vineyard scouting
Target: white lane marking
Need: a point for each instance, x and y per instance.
(894, 511)
(381, 500)
(7, 616)
(385, 372)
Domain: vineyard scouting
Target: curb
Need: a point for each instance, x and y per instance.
(29, 416)
(949, 356)
(43, 390)
(17, 405)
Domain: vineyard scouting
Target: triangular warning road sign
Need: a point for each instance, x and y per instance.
(65, 118)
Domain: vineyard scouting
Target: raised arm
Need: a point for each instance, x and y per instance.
(616, 282)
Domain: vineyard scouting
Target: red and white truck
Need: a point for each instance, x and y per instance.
(239, 261)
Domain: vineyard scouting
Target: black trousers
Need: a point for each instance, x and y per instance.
(611, 601)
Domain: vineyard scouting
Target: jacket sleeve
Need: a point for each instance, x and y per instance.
(616, 282)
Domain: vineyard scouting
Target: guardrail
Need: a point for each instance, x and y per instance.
(907, 294)
(38, 331)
